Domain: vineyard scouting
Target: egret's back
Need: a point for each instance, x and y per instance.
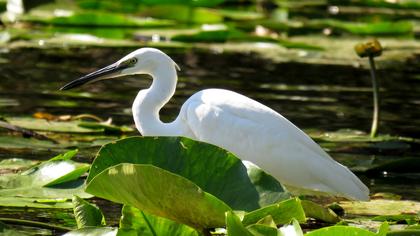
(257, 133)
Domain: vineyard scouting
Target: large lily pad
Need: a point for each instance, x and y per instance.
(213, 169)
(144, 223)
(159, 192)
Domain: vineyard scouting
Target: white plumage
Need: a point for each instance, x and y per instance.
(245, 127)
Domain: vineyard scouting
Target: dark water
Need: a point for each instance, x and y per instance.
(317, 98)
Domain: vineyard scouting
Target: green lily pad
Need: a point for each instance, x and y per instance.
(44, 194)
(46, 174)
(14, 142)
(282, 212)
(144, 223)
(407, 232)
(234, 225)
(46, 184)
(318, 212)
(204, 164)
(91, 18)
(51, 126)
(263, 229)
(408, 219)
(87, 214)
(180, 200)
(265, 226)
(15, 164)
(340, 230)
(220, 36)
(182, 13)
(34, 202)
(348, 230)
(67, 126)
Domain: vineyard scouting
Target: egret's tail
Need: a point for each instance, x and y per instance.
(343, 182)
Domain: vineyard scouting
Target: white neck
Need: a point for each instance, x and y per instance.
(148, 103)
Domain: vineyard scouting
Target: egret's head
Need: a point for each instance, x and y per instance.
(141, 61)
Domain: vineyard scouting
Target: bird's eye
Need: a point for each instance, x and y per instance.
(129, 63)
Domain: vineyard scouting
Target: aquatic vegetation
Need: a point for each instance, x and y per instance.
(296, 56)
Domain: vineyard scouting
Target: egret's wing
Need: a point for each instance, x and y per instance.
(257, 133)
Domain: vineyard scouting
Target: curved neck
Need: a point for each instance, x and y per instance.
(148, 102)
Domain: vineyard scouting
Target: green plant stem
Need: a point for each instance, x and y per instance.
(375, 119)
(34, 224)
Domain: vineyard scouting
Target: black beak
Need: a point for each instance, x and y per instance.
(104, 73)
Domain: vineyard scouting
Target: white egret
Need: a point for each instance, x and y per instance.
(245, 127)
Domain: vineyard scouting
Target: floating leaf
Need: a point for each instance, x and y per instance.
(34, 202)
(42, 194)
(51, 126)
(340, 230)
(65, 156)
(408, 219)
(144, 223)
(407, 232)
(204, 164)
(93, 18)
(380, 207)
(32, 188)
(137, 185)
(318, 212)
(87, 214)
(220, 35)
(180, 13)
(12, 165)
(234, 225)
(282, 212)
(260, 229)
(75, 126)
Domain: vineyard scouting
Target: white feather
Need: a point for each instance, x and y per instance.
(242, 126)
